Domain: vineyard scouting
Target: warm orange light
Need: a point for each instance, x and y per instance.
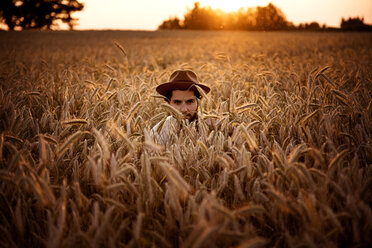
(231, 5)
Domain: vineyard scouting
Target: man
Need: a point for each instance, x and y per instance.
(180, 92)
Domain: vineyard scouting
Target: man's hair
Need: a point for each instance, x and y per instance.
(168, 95)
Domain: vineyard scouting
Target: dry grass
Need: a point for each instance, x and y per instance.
(288, 165)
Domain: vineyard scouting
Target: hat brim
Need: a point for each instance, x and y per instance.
(164, 89)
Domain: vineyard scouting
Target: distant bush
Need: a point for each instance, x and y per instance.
(172, 23)
(355, 24)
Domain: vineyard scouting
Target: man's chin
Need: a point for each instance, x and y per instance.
(190, 118)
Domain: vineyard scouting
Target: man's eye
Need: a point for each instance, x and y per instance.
(190, 101)
(177, 102)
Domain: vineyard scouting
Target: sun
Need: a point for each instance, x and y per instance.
(230, 5)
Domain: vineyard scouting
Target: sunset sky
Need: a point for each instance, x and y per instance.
(148, 14)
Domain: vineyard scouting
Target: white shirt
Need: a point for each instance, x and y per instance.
(162, 131)
(165, 132)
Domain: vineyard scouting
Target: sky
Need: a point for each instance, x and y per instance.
(149, 14)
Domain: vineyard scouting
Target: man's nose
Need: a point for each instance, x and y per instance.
(184, 108)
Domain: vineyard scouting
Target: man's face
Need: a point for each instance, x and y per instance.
(185, 101)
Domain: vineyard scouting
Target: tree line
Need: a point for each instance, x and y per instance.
(47, 14)
(254, 19)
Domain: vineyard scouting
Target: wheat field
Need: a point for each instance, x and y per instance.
(288, 165)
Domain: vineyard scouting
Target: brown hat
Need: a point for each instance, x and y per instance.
(181, 80)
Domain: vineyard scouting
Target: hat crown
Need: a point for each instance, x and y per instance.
(181, 80)
(184, 76)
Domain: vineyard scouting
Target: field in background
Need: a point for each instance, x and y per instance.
(288, 165)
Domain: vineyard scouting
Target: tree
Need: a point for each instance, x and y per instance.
(246, 19)
(355, 24)
(201, 18)
(313, 26)
(270, 18)
(38, 14)
(172, 23)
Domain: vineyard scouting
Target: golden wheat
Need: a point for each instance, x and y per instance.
(287, 163)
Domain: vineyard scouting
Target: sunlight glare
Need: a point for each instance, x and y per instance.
(230, 5)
